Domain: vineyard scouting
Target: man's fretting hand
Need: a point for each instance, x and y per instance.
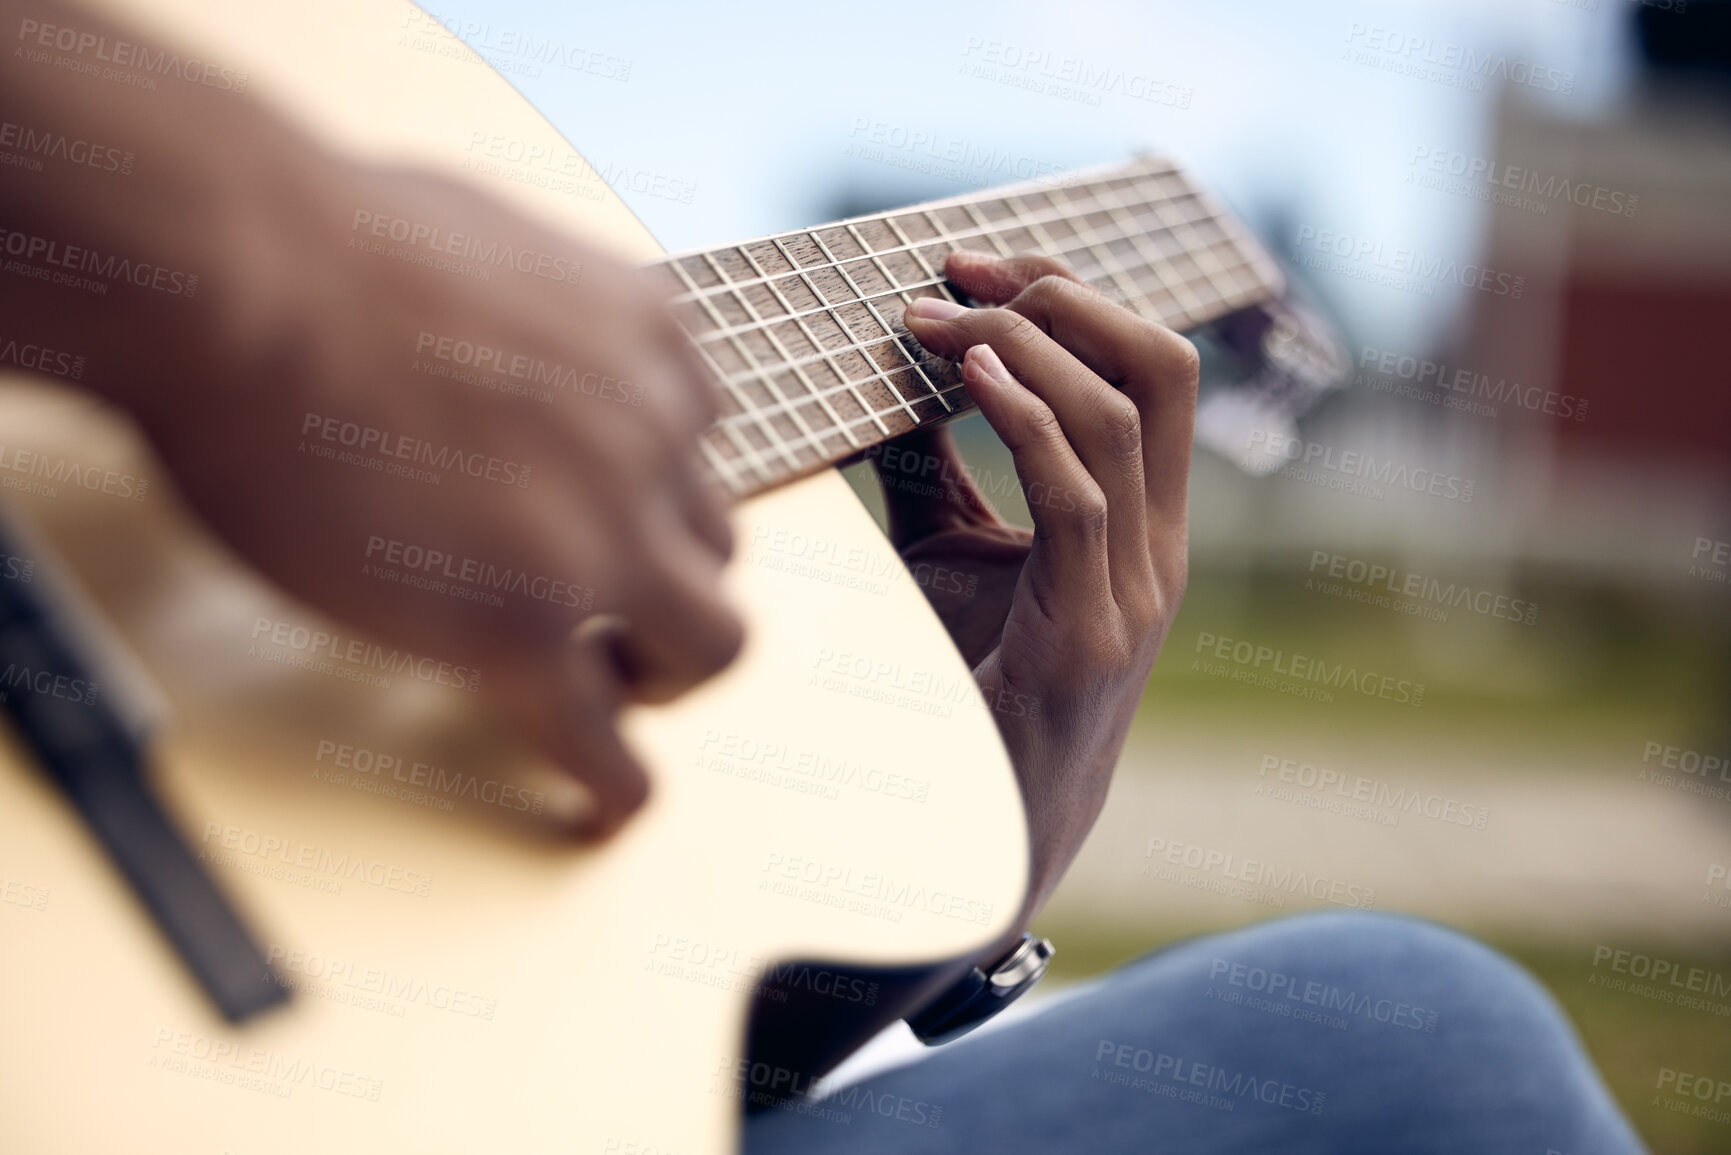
(1096, 406)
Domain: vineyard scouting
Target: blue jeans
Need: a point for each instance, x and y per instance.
(1336, 1033)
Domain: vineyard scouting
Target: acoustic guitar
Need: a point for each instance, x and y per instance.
(462, 979)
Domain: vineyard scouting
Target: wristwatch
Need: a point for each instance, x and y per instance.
(980, 994)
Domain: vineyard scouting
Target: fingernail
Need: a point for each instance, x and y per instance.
(971, 259)
(986, 358)
(935, 309)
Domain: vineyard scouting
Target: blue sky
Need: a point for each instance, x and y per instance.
(740, 118)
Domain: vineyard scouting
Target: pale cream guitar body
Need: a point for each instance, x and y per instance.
(465, 982)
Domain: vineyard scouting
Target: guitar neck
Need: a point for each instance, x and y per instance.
(804, 329)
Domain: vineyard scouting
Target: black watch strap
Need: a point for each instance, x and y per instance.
(980, 994)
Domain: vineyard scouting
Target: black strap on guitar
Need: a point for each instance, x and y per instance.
(49, 690)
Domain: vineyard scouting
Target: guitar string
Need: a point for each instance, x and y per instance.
(759, 323)
(1135, 171)
(850, 383)
(1174, 286)
(1147, 206)
(1091, 240)
(813, 441)
(811, 388)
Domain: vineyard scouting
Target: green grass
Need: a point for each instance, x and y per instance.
(1596, 657)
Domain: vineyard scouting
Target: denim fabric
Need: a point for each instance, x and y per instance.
(1338, 1033)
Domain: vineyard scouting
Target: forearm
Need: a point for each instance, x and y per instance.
(125, 230)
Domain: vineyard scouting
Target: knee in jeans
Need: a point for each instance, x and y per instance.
(1411, 955)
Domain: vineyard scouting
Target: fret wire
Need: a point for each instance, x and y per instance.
(1138, 238)
(944, 238)
(1032, 225)
(1179, 285)
(876, 258)
(1210, 266)
(912, 250)
(1135, 237)
(1108, 262)
(835, 315)
(739, 442)
(1058, 215)
(899, 290)
(1167, 209)
(868, 416)
(769, 383)
(1187, 249)
(1146, 167)
(824, 353)
(882, 324)
(1035, 227)
(799, 371)
(894, 282)
(944, 392)
(958, 387)
(996, 236)
(1054, 249)
(731, 475)
(860, 347)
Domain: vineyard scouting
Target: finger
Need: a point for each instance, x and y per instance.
(680, 391)
(1153, 366)
(1069, 560)
(1100, 422)
(705, 510)
(680, 631)
(927, 487)
(695, 372)
(994, 280)
(572, 716)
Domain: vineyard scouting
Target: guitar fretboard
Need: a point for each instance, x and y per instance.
(804, 329)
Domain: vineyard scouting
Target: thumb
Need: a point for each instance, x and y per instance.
(928, 488)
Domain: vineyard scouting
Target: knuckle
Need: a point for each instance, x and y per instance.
(1181, 358)
(1040, 424)
(1141, 621)
(1090, 512)
(1012, 329)
(1044, 267)
(1047, 287)
(1105, 650)
(1123, 426)
(1047, 292)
